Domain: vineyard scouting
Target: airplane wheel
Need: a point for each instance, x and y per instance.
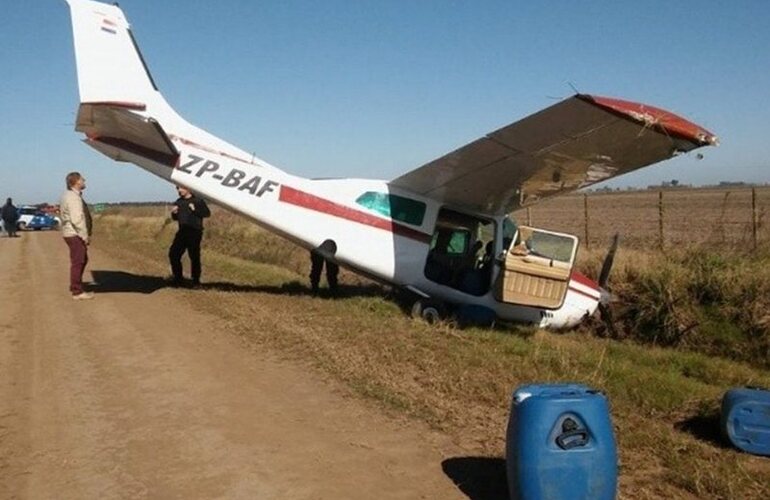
(417, 309)
(431, 314)
(430, 311)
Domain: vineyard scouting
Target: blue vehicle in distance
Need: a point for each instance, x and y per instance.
(33, 218)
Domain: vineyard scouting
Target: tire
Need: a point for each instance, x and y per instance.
(416, 311)
(430, 311)
(21, 226)
(432, 314)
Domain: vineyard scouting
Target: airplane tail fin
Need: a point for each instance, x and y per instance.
(110, 67)
(121, 108)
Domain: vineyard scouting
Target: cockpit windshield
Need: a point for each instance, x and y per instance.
(510, 228)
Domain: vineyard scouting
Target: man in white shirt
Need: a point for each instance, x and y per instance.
(76, 229)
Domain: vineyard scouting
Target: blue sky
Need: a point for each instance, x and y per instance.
(376, 88)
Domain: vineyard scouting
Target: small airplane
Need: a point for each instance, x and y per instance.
(440, 232)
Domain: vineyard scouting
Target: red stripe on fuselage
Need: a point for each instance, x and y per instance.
(581, 292)
(137, 106)
(313, 202)
(188, 142)
(584, 280)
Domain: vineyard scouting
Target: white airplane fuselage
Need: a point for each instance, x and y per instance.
(309, 212)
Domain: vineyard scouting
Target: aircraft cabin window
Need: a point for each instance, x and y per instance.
(549, 246)
(449, 242)
(459, 242)
(509, 229)
(393, 206)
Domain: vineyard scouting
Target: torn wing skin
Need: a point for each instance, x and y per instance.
(572, 144)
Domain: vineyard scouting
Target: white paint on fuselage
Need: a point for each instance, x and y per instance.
(376, 252)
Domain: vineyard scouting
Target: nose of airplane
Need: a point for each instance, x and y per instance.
(605, 296)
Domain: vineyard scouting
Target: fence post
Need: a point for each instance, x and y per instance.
(722, 218)
(754, 217)
(529, 216)
(585, 216)
(661, 242)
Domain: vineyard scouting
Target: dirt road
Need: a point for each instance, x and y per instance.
(138, 395)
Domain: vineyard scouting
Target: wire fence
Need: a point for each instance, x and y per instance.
(729, 218)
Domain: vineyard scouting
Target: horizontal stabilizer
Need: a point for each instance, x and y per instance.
(118, 126)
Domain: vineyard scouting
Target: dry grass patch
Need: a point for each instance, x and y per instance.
(460, 381)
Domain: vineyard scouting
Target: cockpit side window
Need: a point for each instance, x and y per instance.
(396, 207)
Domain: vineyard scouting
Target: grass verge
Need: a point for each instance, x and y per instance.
(664, 400)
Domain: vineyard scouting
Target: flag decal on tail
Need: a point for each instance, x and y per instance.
(109, 26)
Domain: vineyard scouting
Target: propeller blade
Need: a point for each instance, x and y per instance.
(608, 261)
(605, 313)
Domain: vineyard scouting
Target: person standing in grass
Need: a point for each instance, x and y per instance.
(317, 261)
(10, 215)
(189, 211)
(76, 227)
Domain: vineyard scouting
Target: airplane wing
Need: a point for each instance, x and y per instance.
(575, 143)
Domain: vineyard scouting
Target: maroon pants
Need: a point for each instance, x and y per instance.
(78, 261)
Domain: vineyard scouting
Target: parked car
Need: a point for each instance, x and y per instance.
(34, 218)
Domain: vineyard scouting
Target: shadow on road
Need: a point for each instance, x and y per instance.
(109, 281)
(121, 281)
(481, 478)
(295, 288)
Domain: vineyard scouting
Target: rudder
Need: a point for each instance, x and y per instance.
(110, 67)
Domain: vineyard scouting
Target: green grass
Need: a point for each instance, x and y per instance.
(695, 298)
(664, 399)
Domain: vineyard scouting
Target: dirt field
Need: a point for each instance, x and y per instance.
(136, 394)
(276, 393)
(710, 216)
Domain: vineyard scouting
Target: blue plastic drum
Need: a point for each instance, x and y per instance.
(746, 419)
(560, 444)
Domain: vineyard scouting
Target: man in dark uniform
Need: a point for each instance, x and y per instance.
(189, 211)
(317, 263)
(10, 215)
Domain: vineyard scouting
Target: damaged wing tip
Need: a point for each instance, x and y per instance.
(708, 139)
